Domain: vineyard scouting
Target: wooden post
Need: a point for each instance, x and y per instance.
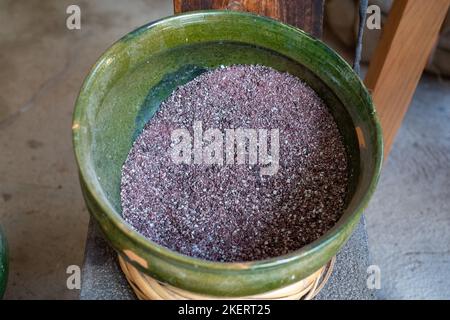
(304, 14)
(408, 38)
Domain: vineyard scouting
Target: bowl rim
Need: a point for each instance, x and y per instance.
(154, 248)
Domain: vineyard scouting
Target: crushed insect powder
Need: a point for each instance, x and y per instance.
(233, 213)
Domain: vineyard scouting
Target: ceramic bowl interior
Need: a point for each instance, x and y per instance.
(128, 83)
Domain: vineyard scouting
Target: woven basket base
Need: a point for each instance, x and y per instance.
(147, 288)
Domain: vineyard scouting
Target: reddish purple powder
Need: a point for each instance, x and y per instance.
(231, 212)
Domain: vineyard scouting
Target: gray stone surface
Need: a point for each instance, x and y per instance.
(103, 279)
(349, 278)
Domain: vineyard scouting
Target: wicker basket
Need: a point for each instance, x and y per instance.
(147, 288)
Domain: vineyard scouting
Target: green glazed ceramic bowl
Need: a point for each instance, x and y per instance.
(131, 79)
(3, 263)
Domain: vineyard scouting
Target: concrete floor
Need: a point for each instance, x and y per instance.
(408, 219)
(42, 66)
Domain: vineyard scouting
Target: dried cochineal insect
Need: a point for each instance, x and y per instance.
(229, 211)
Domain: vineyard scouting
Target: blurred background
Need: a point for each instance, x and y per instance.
(42, 67)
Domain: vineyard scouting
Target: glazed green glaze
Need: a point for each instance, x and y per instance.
(3, 263)
(127, 85)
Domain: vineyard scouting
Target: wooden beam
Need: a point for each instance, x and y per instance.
(304, 14)
(408, 38)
